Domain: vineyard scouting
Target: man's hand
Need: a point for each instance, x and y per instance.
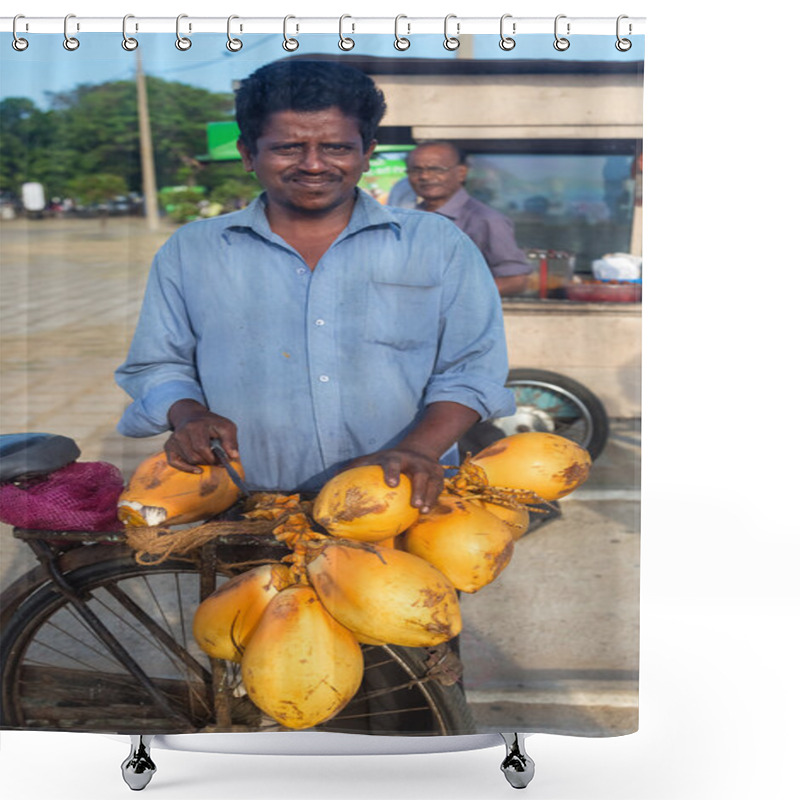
(194, 426)
(417, 456)
(426, 473)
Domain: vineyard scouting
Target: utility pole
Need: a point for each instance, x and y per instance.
(146, 149)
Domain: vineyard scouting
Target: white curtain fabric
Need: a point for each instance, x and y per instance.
(554, 142)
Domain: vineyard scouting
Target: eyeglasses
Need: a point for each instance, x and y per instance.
(435, 171)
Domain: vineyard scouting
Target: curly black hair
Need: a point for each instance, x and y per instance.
(298, 85)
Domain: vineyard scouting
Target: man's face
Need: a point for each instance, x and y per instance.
(309, 161)
(434, 172)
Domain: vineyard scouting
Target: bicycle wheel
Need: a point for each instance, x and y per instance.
(547, 402)
(58, 673)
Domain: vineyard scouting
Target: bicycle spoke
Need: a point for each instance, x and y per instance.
(390, 690)
(180, 609)
(367, 714)
(103, 654)
(90, 667)
(174, 651)
(146, 580)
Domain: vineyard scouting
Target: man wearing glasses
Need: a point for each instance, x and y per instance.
(436, 172)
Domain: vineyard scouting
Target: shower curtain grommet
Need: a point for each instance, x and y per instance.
(623, 45)
(451, 42)
(401, 42)
(70, 42)
(289, 44)
(345, 42)
(561, 43)
(233, 44)
(128, 42)
(507, 42)
(18, 43)
(183, 43)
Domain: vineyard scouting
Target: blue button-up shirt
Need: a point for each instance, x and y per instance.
(316, 367)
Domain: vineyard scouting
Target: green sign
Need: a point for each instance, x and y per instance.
(222, 138)
(386, 167)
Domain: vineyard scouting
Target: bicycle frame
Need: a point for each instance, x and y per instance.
(55, 567)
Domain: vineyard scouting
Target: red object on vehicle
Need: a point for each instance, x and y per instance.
(543, 278)
(605, 292)
(81, 496)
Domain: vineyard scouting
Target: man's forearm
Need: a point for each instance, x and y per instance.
(182, 410)
(511, 284)
(442, 425)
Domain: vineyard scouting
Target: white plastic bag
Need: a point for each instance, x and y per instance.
(617, 267)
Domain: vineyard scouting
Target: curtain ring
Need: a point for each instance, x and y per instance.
(345, 43)
(182, 42)
(70, 42)
(623, 45)
(289, 43)
(19, 44)
(507, 42)
(451, 42)
(400, 42)
(561, 44)
(128, 42)
(233, 44)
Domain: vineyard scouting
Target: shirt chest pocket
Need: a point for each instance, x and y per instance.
(404, 316)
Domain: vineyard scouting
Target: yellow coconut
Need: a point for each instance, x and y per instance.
(468, 544)
(386, 595)
(159, 494)
(357, 504)
(225, 620)
(550, 465)
(301, 666)
(517, 518)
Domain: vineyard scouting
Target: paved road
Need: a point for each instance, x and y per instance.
(554, 639)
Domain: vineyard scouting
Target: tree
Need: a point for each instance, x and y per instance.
(25, 134)
(93, 130)
(97, 188)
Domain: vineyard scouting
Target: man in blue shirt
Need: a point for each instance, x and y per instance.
(316, 329)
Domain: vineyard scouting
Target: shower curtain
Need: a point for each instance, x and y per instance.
(108, 151)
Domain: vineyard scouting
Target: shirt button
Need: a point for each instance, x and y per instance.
(319, 322)
(324, 378)
(301, 270)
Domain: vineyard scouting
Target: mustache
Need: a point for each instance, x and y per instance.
(304, 175)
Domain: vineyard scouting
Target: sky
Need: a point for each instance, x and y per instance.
(47, 67)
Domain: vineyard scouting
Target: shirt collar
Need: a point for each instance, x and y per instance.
(452, 208)
(367, 213)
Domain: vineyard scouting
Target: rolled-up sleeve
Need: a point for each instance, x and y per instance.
(500, 248)
(160, 367)
(472, 361)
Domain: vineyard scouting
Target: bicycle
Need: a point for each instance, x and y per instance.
(550, 403)
(94, 641)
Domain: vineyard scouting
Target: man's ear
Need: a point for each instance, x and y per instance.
(368, 154)
(462, 170)
(247, 156)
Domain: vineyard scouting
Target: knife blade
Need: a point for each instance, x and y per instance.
(222, 456)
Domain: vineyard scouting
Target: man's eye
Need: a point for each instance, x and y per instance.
(337, 148)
